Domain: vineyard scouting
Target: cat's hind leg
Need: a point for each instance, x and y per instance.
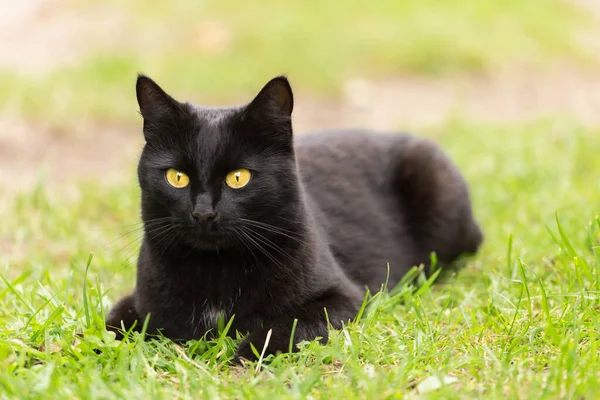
(436, 202)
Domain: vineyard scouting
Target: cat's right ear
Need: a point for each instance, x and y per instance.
(275, 99)
(155, 104)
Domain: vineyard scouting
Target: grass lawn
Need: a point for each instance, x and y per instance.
(520, 320)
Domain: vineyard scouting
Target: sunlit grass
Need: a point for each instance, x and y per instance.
(519, 321)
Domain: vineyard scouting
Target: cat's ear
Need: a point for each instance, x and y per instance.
(154, 102)
(275, 99)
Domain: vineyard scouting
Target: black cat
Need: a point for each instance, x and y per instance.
(242, 218)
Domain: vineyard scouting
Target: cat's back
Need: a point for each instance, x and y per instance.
(341, 144)
(349, 175)
(348, 160)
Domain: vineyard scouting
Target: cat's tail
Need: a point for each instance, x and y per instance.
(437, 201)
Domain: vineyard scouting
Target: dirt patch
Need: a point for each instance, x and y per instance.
(30, 152)
(37, 36)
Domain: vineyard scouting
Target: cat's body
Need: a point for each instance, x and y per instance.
(318, 220)
(386, 198)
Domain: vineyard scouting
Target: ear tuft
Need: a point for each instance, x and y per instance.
(153, 101)
(275, 97)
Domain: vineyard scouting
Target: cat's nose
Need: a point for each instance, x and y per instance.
(204, 217)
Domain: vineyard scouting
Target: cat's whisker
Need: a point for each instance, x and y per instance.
(264, 224)
(242, 241)
(249, 247)
(115, 228)
(137, 230)
(273, 229)
(269, 243)
(126, 246)
(166, 239)
(149, 224)
(133, 247)
(160, 244)
(258, 246)
(261, 248)
(154, 228)
(139, 223)
(127, 261)
(136, 240)
(159, 233)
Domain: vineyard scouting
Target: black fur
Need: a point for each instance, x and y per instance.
(320, 219)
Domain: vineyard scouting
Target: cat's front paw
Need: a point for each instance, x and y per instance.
(261, 339)
(123, 312)
(244, 353)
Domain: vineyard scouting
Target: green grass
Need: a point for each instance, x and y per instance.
(319, 44)
(519, 321)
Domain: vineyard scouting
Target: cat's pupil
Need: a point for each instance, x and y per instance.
(178, 176)
(237, 176)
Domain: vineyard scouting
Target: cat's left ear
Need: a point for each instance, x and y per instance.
(275, 99)
(154, 102)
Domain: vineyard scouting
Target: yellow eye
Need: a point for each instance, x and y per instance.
(238, 179)
(176, 178)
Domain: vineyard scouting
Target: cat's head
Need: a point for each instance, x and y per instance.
(210, 175)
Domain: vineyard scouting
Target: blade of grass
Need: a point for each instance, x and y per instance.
(292, 335)
(85, 294)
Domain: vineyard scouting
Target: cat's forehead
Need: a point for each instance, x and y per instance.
(214, 117)
(211, 135)
(211, 126)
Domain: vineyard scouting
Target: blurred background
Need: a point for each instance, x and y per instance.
(68, 68)
(510, 89)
